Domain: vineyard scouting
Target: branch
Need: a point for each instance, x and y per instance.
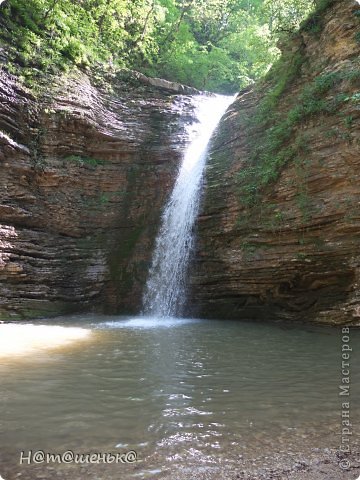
(142, 36)
(49, 10)
(175, 28)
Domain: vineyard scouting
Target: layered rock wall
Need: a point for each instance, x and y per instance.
(293, 251)
(84, 172)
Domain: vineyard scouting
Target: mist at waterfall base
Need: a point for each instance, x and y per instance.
(165, 290)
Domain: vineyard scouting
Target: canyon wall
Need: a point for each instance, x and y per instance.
(86, 163)
(85, 170)
(287, 245)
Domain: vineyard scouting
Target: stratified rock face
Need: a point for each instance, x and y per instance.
(84, 174)
(295, 253)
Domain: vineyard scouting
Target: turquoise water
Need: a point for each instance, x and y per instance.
(186, 395)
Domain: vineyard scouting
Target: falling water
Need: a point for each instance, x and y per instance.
(165, 289)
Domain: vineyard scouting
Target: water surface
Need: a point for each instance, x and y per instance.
(187, 395)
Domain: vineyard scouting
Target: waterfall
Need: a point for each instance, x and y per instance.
(165, 290)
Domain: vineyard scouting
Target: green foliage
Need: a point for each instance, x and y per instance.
(357, 15)
(348, 121)
(219, 45)
(81, 160)
(287, 15)
(248, 250)
(223, 45)
(313, 23)
(284, 72)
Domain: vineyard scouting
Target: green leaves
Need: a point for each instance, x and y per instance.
(219, 45)
(222, 45)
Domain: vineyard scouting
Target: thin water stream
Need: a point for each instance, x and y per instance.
(165, 291)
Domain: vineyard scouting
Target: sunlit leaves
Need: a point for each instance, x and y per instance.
(221, 45)
(286, 15)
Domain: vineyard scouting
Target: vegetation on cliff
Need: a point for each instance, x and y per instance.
(220, 45)
(280, 142)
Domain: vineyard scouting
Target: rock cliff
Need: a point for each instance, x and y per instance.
(87, 162)
(278, 236)
(84, 171)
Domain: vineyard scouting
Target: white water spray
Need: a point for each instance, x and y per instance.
(166, 286)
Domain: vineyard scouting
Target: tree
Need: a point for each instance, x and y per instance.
(221, 45)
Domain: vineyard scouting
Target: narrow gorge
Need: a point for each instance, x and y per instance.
(179, 239)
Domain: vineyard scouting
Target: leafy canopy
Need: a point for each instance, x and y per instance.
(219, 45)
